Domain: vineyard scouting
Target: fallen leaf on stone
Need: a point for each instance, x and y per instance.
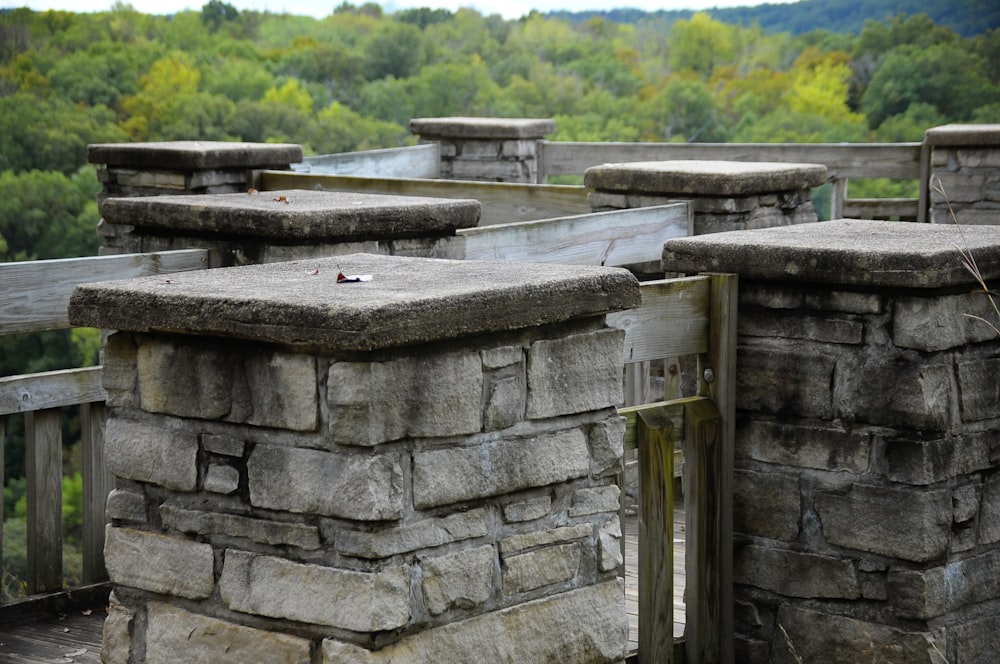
(352, 278)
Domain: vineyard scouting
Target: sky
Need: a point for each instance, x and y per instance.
(509, 9)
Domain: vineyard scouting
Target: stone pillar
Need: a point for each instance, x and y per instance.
(964, 174)
(487, 149)
(269, 226)
(867, 489)
(725, 195)
(181, 167)
(419, 467)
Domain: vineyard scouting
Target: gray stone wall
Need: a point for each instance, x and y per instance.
(449, 500)
(868, 444)
(964, 180)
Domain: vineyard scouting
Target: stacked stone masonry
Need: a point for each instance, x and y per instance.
(724, 196)
(449, 500)
(867, 483)
(965, 174)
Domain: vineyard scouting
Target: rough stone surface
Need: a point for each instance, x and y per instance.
(609, 537)
(541, 567)
(422, 534)
(784, 382)
(977, 135)
(823, 638)
(466, 473)
(903, 392)
(116, 642)
(766, 505)
(796, 574)
(585, 625)
(516, 543)
(980, 389)
(595, 500)
(279, 588)
(607, 440)
(928, 461)
(471, 127)
(366, 488)
(527, 510)
(461, 580)
(408, 300)
(933, 324)
(897, 522)
(220, 478)
(173, 632)
(124, 505)
(803, 446)
(151, 454)
(577, 373)
(717, 178)
(158, 563)
(842, 252)
(201, 522)
(935, 592)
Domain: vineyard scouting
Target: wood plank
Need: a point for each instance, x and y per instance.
(614, 239)
(672, 320)
(415, 161)
(43, 463)
(35, 294)
(843, 160)
(51, 389)
(97, 484)
(503, 202)
(656, 566)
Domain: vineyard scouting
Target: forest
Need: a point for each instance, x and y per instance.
(353, 80)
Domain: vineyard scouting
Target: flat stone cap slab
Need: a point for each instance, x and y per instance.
(465, 127)
(704, 177)
(195, 155)
(964, 135)
(407, 301)
(846, 252)
(297, 214)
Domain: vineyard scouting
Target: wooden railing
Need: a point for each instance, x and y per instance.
(33, 297)
(844, 161)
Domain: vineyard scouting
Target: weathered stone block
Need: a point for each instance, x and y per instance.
(796, 574)
(928, 461)
(225, 445)
(233, 525)
(607, 445)
(151, 454)
(927, 594)
(823, 638)
(158, 563)
(221, 478)
(979, 385)
(366, 488)
(116, 642)
(467, 473)
(977, 640)
(376, 402)
(412, 537)
(595, 500)
(505, 401)
(938, 323)
(791, 297)
(766, 505)
(462, 580)
(540, 567)
(282, 391)
(905, 392)
(575, 374)
(173, 632)
(786, 382)
(803, 446)
(609, 537)
(124, 505)
(989, 516)
(897, 522)
(278, 588)
(120, 377)
(797, 326)
(527, 510)
(585, 625)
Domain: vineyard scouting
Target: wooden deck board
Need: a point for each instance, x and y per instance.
(76, 638)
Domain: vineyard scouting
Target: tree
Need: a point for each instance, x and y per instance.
(684, 110)
(701, 44)
(215, 13)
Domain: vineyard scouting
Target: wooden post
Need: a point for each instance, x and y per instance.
(655, 433)
(97, 483)
(838, 196)
(43, 461)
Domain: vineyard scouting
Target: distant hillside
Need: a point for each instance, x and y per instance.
(966, 17)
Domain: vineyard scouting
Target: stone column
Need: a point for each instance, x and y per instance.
(269, 226)
(417, 467)
(181, 167)
(867, 489)
(488, 149)
(724, 195)
(964, 174)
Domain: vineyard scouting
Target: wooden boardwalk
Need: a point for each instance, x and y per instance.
(76, 638)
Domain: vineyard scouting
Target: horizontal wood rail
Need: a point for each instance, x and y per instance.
(416, 161)
(503, 202)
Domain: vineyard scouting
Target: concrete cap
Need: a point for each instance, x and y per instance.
(846, 252)
(407, 301)
(464, 127)
(297, 214)
(971, 135)
(704, 177)
(195, 155)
